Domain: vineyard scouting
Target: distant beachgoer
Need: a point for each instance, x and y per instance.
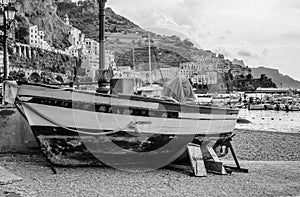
(287, 108)
(277, 107)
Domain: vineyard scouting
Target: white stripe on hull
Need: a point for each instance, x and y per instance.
(80, 119)
(84, 97)
(36, 91)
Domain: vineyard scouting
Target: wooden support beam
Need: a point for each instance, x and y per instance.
(214, 164)
(196, 159)
(238, 167)
(196, 166)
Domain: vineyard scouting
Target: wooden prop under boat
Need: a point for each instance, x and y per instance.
(75, 128)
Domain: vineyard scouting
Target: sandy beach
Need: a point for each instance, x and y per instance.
(272, 158)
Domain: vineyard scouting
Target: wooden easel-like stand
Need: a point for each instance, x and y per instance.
(203, 158)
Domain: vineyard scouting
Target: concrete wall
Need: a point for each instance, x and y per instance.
(15, 133)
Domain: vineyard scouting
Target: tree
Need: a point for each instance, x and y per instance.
(21, 34)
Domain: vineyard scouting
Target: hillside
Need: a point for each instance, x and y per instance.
(84, 16)
(43, 14)
(277, 77)
(48, 14)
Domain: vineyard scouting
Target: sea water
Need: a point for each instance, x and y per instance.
(270, 120)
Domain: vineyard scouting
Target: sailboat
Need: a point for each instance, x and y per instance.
(75, 128)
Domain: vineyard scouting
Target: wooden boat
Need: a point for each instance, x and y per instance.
(75, 128)
(256, 107)
(294, 107)
(204, 98)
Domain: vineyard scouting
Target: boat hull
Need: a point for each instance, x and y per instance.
(78, 129)
(119, 150)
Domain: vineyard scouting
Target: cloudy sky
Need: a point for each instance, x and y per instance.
(261, 32)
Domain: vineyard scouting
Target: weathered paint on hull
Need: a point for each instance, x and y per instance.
(122, 149)
(16, 135)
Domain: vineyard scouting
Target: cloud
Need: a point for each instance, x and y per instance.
(292, 37)
(268, 27)
(245, 53)
(252, 52)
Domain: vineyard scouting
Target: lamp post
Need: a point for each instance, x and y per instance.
(7, 15)
(104, 78)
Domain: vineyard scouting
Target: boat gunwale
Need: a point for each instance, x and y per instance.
(228, 110)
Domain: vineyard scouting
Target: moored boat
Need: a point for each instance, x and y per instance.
(76, 128)
(256, 107)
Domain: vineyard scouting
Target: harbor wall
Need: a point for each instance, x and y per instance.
(15, 133)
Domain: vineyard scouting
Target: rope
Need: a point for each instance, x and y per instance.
(73, 130)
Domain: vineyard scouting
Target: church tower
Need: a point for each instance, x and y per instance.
(66, 19)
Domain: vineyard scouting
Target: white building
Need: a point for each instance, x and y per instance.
(37, 38)
(76, 38)
(90, 46)
(33, 36)
(90, 57)
(169, 73)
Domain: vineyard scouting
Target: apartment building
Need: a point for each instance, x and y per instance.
(37, 38)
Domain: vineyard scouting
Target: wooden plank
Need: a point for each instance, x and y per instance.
(196, 160)
(215, 167)
(214, 164)
(181, 167)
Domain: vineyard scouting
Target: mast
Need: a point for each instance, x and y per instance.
(134, 69)
(150, 72)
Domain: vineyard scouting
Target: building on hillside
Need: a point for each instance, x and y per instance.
(238, 70)
(76, 37)
(33, 36)
(90, 57)
(66, 19)
(90, 46)
(223, 68)
(75, 51)
(249, 84)
(90, 62)
(169, 72)
(126, 38)
(37, 38)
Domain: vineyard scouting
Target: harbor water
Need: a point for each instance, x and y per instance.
(270, 120)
